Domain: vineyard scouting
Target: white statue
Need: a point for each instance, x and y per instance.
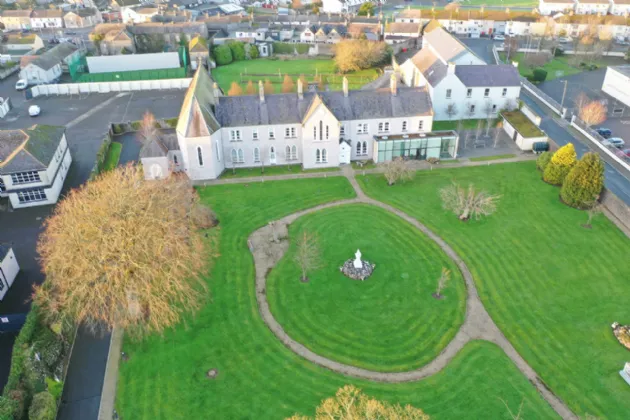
(357, 260)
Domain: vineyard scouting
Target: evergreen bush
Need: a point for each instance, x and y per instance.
(584, 182)
(543, 161)
(560, 164)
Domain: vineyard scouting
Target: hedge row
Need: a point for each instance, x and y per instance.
(289, 48)
(100, 157)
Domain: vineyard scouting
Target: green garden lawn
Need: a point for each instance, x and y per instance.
(558, 67)
(389, 322)
(552, 286)
(274, 70)
(259, 378)
(272, 170)
(113, 156)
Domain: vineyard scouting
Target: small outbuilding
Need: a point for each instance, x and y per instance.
(9, 269)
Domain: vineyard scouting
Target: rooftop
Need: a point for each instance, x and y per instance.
(54, 56)
(522, 124)
(30, 149)
(499, 75)
(625, 70)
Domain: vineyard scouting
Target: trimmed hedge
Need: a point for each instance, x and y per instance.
(222, 55)
(290, 48)
(101, 155)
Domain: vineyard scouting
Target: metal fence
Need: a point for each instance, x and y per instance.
(594, 137)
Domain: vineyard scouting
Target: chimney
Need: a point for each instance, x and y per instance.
(451, 68)
(261, 91)
(216, 91)
(393, 84)
(300, 89)
(345, 86)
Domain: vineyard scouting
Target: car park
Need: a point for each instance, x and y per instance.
(604, 132)
(34, 110)
(614, 141)
(21, 84)
(624, 153)
(564, 40)
(499, 38)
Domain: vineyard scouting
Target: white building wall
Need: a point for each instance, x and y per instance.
(47, 22)
(582, 8)
(154, 61)
(35, 75)
(620, 9)
(552, 8)
(213, 159)
(332, 6)
(9, 270)
(311, 144)
(617, 85)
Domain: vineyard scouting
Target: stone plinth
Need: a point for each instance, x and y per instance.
(349, 269)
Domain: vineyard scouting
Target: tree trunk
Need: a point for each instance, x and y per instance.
(465, 214)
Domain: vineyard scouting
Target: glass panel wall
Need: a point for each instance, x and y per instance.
(420, 149)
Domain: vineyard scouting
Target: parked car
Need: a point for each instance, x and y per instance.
(54, 41)
(624, 153)
(604, 132)
(499, 38)
(21, 84)
(34, 110)
(614, 141)
(565, 39)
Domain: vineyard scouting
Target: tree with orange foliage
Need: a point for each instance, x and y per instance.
(250, 89)
(287, 84)
(235, 90)
(268, 87)
(148, 127)
(124, 252)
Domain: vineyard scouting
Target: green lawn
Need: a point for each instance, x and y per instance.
(389, 322)
(547, 282)
(274, 70)
(259, 378)
(495, 157)
(271, 170)
(364, 164)
(113, 155)
(452, 125)
(558, 67)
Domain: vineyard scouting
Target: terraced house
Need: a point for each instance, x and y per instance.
(315, 129)
(34, 163)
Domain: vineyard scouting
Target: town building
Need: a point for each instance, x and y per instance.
(34, 163)
(216, 133)
(551, 7)
(18, 44)
(82, 18)
(617, 85)
(138, 14)
(592, 7)
(198, 50)
(620, 7)
(47, 18)
(9, 269)
(49, 66)
(17, 19)
(343, 6)
(325, 34)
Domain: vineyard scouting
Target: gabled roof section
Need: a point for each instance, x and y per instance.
(198, 44)
(432, 25)
(315, 103)
(160, 145)
(54, 56)
(445, 45)
(500, 75)
(29, 150)
(196, 118)
(432, 68)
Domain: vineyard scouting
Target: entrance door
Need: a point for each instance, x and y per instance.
(272, 155)
(344, 152)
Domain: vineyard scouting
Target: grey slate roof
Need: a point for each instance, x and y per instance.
(287, 108)
(432, 68)
(625, 70)
(447, 46)
(160, 146)
(35, 154)
(488, 76)
(4, 250)
(54, 56)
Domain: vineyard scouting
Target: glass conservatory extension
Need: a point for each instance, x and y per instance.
(439, 145)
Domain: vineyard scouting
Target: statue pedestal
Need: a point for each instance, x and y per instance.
(625, 373)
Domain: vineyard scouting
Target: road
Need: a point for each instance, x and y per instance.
(87, 119)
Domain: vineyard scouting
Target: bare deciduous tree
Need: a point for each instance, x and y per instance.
(122, 251)
(468, 203)
(307, 255)
(451, 110)
(497, 134)
(349, 403)
(396, 170)
(516, 416)
(594, 208)
(148, 127)
(445, 276)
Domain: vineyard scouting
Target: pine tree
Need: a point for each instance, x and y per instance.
(287, 84)
(543, 160)
(235, 90)
(561, 163)
(584, 182)
(249, 89)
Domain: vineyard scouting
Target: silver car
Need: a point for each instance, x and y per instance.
(614, 141)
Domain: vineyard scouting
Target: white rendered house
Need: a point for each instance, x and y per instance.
(592, 7)
(617, 83)
(34, 163)
(9, 269)
(620, 7)
(216, 133)
(551, 7)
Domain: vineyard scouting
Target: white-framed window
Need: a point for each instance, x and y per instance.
(494, 108)
(255, 134)
(421, 125)
(486, 93)
(199, 156)
(321, 129)
(235, 135)
(25, 177)
(256, 155)
(272, 154)
(324, 156)
(175, 159)
(315, 132)
(342, 130)
(289, 132)
(383, 127)
(238, 156)
(272, 134)
(218, 149)
(358, 148)
(294, 154)
(469, 93)
(472, 109)
(32, 195)
(362, 128)
(504, 93)
(318, 156)
(404, 126)
(327, 132)
(364, 148)
(448, 93)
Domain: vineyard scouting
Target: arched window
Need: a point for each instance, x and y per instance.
(358, 148)
(314, 132)
(256, 155)
(241, 156)
(156, 171)
(321, 128)
(294, 152)
(234, 156)
(326, 132)
(324, 156)
(199, 156)
(175, 159)
(272, 153)
(288, 151)
(365, 147)
(318, 156)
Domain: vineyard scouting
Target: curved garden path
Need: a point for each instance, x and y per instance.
(477, 323)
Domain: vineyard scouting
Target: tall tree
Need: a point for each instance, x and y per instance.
(122, 251)
(287, 84)
(307, 255)
(584, 182)
(560, 164)
(358, 54)
(366, 9)
(148, 127)
(593, 112)
(396, 170)
(235, 90)
(349, 403)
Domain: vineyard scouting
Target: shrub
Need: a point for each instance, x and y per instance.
(540, 75)
(171, 122)
(543, 161)
(136, 125)
(222, 55)
(560, 164)
(254, 53)
(238, 50)
(584, 182)
(43, 407)
(559, 52)
(593, 67)
(117, 128)
(55, 388)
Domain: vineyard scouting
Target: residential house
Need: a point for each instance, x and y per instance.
(552, 7)
(198, 50)
(446, 47)
(314, 129)
(617, 85)
(9, 268)
(410, 15)
(34, 163)
(281, 33)
(17, 19)
(620, 7)
(171, 32)
(138, 14)
(161, 156)
(47, 18)
(369, 31)
(82, 18)
(403, 29)
(49, 66)
(343, 6)
(592, 7)
(17, 44)
(117, 40)
(323, 34)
